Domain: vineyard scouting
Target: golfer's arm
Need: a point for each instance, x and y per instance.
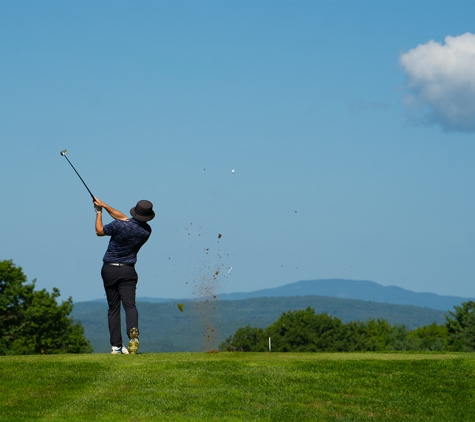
(99, 225)
(115, 214)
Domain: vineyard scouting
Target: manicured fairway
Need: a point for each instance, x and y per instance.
(238, 386)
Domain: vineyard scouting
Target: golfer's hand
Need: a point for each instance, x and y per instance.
(99, 203)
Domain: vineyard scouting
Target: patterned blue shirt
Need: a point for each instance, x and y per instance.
(127, 237)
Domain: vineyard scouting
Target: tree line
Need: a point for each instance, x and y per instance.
(306, 331)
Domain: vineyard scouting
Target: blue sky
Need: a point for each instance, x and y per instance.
(349, 125)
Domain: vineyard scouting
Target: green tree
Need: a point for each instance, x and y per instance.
(297, 331)
(376, 332)
(429, 337)
(378, 335)
(460, 325)
(399, 338)
(305, 331)
(32, 321)
(356, 336)
(247, 339)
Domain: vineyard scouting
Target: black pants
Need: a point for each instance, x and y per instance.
(120, 284)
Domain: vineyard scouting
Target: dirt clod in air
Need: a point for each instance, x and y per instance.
(181, 307)
(205, 287)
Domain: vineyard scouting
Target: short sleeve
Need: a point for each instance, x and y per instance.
(110, 229)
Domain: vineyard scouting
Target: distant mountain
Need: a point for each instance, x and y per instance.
(354, 289)
(203, 325)
(157, 300)
(344, 289)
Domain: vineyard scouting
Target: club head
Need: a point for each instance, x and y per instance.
(64, 152)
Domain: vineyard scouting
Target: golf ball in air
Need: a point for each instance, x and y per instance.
(232, 171)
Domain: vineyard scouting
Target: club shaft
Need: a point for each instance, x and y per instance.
(84, 183)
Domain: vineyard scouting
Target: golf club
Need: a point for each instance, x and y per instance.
(63, 153)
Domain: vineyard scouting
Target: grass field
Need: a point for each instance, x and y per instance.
(238, 386)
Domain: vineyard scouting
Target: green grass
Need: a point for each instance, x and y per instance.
(238, 386)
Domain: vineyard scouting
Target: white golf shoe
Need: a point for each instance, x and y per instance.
(119, 350)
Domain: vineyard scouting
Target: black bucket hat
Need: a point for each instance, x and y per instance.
(143, 211)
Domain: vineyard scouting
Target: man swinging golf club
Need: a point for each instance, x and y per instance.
(118, 271)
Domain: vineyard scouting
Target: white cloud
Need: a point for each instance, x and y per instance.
(441, 81)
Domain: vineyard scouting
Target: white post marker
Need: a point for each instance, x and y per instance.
(270, 347)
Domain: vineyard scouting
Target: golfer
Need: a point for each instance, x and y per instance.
(118, 271)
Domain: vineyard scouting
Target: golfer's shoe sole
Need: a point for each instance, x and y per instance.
(134, 341)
